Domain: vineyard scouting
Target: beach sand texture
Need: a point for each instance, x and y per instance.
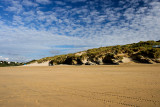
(80, 86)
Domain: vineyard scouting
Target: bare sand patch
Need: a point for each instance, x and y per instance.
(126, 60)
(38, 64)
(80, 86)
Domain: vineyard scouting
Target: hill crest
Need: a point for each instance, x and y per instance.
(141, 52)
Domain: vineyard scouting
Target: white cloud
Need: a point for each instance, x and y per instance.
(60, 2)
(17, 20)
(15, 6)
(43, 1)
(29, 3)
(4, 58)
(75, 1)
(11, 9)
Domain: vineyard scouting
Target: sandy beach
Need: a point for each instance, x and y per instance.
(80, 86)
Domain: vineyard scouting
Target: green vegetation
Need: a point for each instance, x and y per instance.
(6, 63)
(142, 52)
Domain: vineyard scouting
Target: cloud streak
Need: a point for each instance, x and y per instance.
(43, 1)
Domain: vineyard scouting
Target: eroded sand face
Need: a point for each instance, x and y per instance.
(80, 86)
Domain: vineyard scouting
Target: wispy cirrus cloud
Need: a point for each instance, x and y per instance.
(14, 6)
(60, 3)
(76, 1)
(29, 3)
(43, 1)
(3, 58)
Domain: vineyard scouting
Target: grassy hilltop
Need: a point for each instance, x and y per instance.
(141, 52)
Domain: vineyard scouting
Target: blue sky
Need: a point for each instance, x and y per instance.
(33, 29)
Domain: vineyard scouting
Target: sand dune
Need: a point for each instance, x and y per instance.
(80, 86)
(38, 64)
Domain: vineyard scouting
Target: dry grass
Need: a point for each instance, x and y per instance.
(80, 86)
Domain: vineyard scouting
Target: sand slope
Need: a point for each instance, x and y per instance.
(80, 86)
(38, 64)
